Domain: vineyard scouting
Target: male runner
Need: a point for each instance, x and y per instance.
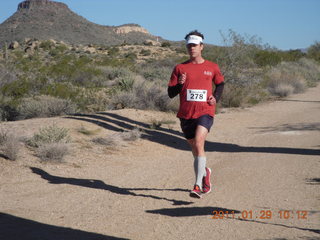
(192, 80)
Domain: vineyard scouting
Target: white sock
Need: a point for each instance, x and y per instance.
(199, 169)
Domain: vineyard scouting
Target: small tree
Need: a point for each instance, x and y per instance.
(314, 51)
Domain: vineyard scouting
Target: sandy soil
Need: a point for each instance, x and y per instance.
(265, 160)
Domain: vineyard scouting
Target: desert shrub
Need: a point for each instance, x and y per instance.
(131, 56)
(145, 52)
(44, 106)
(63, 90)
(310, 70)
(48, 135)
(156, 73)
(126, 83)
(52, 151)
(9, 144)
(267, 58)
(299, 75)
(112, 73)
(165, 44)
(144, 95)
(147, 43)
(281, 89)
(239, 96)
(119, 139)
(7, 75)
(291, 55)
(314, 51)
(18, 88)
(233, 96)
(46, 45)
(285, 79)
(8, 109)
(113, 51)
(92, 100)
(237, 57)
(88, 76)
(237, 60)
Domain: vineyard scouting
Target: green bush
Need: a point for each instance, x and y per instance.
(126, 84)
(165, 44)
(114, 51)
(267, 58)
(17, 89)
(61, 90)
(7, 75)
(8, 111)
(156, 74)
(314, 51)
(145, 52)
(46, 45)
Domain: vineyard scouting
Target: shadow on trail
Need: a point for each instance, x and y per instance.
(17, 228)
(98, 184)
(313, 181)
(174, 139)
(191, 211)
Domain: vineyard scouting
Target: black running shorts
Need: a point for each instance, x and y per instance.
(189, 126)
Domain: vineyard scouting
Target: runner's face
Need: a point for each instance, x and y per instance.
(194, 50)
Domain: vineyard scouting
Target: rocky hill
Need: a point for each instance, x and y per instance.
(45, 19)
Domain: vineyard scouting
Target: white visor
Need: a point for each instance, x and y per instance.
(194, 39)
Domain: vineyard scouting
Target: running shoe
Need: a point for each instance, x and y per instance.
(196, 192)
(206, 184)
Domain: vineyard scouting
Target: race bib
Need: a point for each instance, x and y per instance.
(196, 95)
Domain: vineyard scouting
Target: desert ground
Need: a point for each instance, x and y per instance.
(265, 162)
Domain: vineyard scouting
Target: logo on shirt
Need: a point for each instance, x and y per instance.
(208, 73)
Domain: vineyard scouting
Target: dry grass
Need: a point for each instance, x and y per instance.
(284, 80)
(44, 106)
(52, 152)
(49, 134)
(51, 143)
(119, 139)
(88, 132)
(145, 95)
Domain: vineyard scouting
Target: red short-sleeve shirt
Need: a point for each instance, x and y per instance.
(197, 86)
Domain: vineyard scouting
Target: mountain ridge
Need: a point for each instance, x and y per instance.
(45, 19)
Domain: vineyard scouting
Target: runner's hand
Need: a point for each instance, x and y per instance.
(182, 78)
(211, 101)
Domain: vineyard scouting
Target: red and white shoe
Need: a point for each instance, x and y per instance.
(196, 192)
(206, 183)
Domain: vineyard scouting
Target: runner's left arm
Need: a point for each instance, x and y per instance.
(218, 91)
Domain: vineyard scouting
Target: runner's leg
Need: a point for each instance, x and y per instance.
(197, 145)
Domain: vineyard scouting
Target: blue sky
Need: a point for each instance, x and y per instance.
(284, 24)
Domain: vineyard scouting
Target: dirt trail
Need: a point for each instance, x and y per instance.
(265, 163)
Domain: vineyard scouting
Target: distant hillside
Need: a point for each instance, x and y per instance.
(44, 19)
